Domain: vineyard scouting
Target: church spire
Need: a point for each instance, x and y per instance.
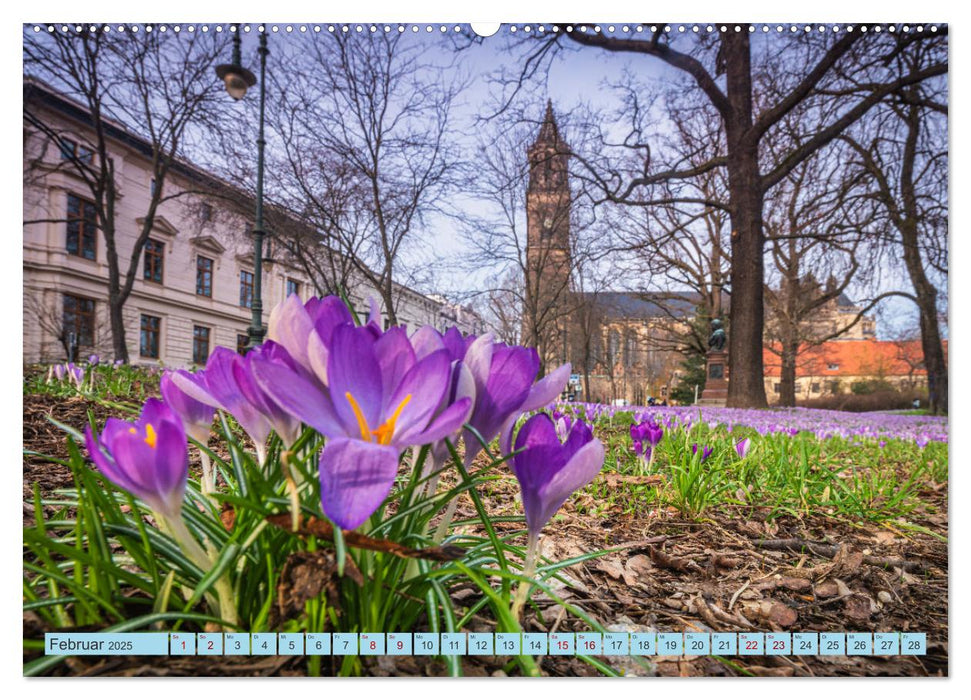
(549, 133)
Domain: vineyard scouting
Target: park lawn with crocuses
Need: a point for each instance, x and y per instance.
(367, 458)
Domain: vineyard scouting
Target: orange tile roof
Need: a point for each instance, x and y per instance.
(852, 358)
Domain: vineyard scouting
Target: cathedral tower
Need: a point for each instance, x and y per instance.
(547, 244)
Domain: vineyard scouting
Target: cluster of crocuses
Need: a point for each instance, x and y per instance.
(373, 394)
(823, 424)
(645, 436)
(73, 373)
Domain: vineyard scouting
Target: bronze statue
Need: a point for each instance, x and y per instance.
(717, 339)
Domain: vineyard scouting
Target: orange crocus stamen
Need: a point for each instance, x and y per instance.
(150, 436)
(361, 420)
(383, 433)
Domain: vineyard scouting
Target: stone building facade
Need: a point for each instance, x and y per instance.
(193, 283)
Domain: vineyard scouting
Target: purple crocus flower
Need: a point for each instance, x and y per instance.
(425, 341)
(548, 471)
(304, 330)
(645, 436)
(742, 447)
(504, 390)
(76, 374)
(283, 423)
(196, 416)
(149, 458)
(705, 451)
(217, 386)
(59, 372)
(94, 359)
(380, 400)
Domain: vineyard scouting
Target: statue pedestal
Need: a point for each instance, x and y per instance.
(716, 384)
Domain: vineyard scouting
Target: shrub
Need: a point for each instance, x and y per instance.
(871, 386)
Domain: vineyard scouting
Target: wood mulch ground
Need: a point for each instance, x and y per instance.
(733, 571)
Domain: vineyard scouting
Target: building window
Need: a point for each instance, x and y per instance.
(242, 341)
(200, 344)
(81, 227)
(778, 388)
(814, 388)
(206, 211)
(68, 149)
(151, 188)
(203, 276)
(71, 150)
(832, 367)
(246, 289)
(151, 330)
(78, 321)
(154, 254)
(293, 286)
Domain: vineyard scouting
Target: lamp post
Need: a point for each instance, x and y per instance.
(238, 80)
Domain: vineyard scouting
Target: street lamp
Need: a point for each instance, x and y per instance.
(237, 81)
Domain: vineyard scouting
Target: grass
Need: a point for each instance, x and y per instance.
(860, 479)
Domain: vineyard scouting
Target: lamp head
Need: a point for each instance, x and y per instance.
(236, 78)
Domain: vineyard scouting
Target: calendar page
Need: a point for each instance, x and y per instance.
(512, 349)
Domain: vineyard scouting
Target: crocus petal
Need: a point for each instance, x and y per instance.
(478, 358)
(196, 416)
(301, 398)
(426, 382)
(290, 325)
(445, 424)
(548, 389)
(353, 369)
(510, 377)
(317, 356)
(582, 468)
(355, 478)
(454, 342)
(425, 341)
(374, 317)
(395, 357)
(328, 314)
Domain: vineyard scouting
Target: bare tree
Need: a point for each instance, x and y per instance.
(159, 85)
(850, 66)
(904, 153)
(368, 153)
(817, 227)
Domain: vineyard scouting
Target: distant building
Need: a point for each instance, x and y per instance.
(837, 366)
(614, 340)
(194, 284)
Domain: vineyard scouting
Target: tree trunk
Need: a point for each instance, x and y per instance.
(116, 317)
(787, 378)
(746, 388)
(930, 334)
(926, 293)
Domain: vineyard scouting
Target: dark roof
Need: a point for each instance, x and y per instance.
(843, 300)
(646, 304)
